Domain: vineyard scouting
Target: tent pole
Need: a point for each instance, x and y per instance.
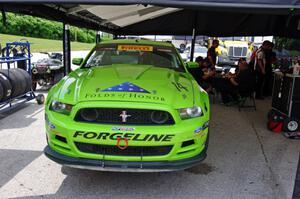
(98, 37)
(66, 49)
(193, 45)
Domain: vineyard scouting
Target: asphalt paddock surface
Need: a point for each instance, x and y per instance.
(244, 160)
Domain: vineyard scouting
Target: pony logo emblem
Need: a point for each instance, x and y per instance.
(124, 116)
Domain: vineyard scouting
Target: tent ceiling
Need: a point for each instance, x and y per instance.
(171, 17)
(128, 14)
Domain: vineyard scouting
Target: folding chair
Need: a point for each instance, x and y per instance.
(244, 96)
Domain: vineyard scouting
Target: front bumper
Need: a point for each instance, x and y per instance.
(124, 166)
(187, 139)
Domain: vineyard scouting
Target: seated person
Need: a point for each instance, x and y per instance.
(199, 75)
(237, 85)
(199, 60)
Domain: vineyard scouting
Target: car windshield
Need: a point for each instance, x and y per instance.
(133, 54)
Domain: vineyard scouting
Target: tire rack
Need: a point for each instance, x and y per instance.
(13, 102)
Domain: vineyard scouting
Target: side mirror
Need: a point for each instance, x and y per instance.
(191, 64)
(77, 61)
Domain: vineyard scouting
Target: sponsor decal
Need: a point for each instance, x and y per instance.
(135, 48)
(122, 129)
(179, 86)
(125, 87)
(129, 136)
(198, 130)
(140, 96)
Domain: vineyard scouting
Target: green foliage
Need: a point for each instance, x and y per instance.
(287, 43)
(17, 24)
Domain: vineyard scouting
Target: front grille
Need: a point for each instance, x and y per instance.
(129, 151)
(237, 51)
(135, 116)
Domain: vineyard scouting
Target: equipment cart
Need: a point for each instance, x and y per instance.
(14, 92)
(286, 100)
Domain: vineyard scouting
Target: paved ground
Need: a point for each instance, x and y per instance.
(244, 161)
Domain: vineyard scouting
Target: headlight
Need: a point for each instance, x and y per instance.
(60, 107)
(186, 113)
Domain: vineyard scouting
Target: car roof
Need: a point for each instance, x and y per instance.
(137, 41)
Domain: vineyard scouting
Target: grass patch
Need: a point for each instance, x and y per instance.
(44, 45)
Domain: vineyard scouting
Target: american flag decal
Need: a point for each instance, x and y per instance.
(126, 87)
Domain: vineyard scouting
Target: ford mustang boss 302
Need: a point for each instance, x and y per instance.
(131, 106)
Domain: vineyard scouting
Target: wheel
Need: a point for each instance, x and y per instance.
(27, 77)
(14, 81)
(1, 92)
(40, 99)
(21, 80)
(6, 85)
(290, 125)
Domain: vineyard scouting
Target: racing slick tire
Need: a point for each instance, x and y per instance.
(1, 92)
(21, 80)
(14, 81)
(6, 85)
(27, 78)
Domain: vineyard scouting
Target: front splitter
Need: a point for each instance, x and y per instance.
(124, 166)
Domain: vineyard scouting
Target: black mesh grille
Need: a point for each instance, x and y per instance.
(129, 151)
(136, 116)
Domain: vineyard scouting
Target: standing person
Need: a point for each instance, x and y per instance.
(211, 53)
(270, 60)
(260, 68)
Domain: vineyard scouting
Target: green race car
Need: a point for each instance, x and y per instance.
(131, 106)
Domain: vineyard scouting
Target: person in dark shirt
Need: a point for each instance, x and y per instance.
(270, 60)
(199, 60)
(211, 53)
(200, 75)
(238, 85)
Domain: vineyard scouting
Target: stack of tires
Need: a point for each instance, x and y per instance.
(13, 83)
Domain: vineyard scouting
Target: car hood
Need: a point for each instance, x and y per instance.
(131, 83)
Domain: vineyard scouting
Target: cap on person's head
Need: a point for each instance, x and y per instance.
(199, 59)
